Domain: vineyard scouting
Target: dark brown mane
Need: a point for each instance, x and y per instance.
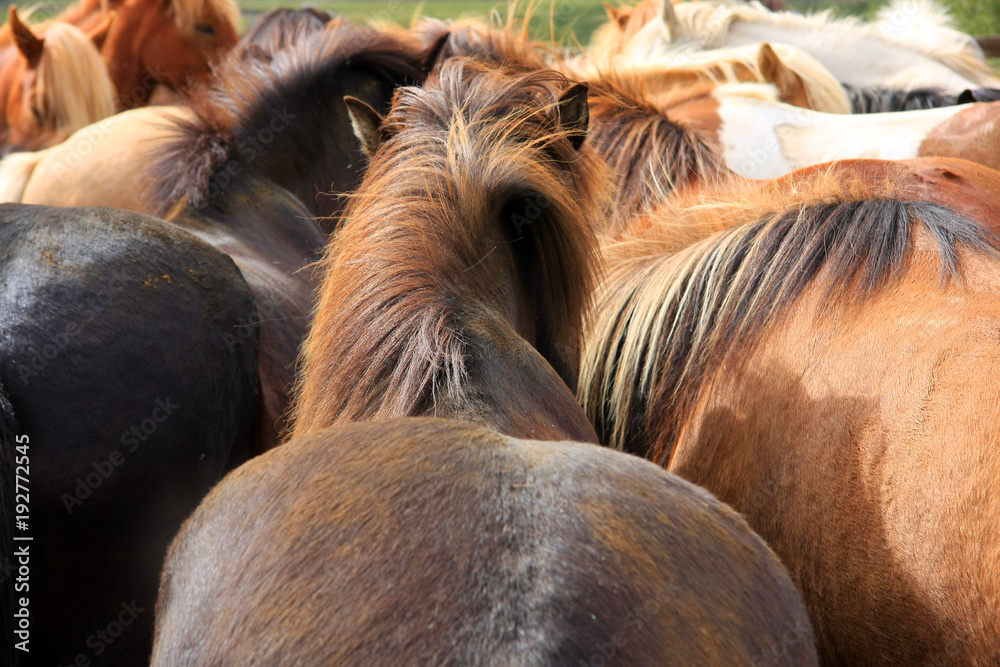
(250, 98)
(667, 321)
(478, 209)
(650, 155)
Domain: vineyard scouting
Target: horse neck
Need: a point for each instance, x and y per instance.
(307, 146)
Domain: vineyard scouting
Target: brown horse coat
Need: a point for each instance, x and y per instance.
(826, 363)
(436, 542)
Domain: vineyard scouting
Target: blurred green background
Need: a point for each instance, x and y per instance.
(573, 20)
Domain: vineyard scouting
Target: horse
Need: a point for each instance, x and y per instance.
(457, 283)
(889, 53)
(154, 43)
(449, 543)
(123, 403)
(454, 288)
(54, 86)
(757, 136)
(817, 351)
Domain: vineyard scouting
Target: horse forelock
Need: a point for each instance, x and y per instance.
(417, 252)
(73, 85)
(188, 13)
(246, 93)
(671, 310)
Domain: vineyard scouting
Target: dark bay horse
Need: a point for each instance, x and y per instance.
(117, 375)
(820, 352)
(441, 542)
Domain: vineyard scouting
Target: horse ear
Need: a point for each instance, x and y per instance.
(670, 20)
(434, 52)
(100, 32)
(965, 97)
(366, 122)
(791, 88)
(574, 113)
(614, 13)
(28, 44)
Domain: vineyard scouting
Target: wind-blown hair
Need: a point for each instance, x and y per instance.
(476, 208)
(665, 320)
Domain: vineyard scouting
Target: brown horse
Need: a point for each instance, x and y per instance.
(820, 353)
(53, 85)
(154, 42)
(439, 542)
(468, 250)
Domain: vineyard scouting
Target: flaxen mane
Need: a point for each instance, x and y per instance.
(250, 118)
(665, 321)
(650, 155)
(475, 186)
(73, 87)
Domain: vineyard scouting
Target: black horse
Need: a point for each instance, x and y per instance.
(128, 379)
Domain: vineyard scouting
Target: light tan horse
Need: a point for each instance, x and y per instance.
(821, 352)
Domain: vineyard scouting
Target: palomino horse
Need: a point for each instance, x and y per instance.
(821, 353)
(884, 54)
(125, 404)
(153, 42)
(469, 241)
(439, 542)
(55, 85)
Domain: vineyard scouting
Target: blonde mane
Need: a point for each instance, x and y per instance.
(690, 284)
(707, 23)
(73, 87)
(188, 13)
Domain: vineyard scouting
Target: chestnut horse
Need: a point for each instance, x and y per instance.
(53, 86)
(156, 42)
(125, 404)
(819, 352)
(443, 542)
(468, 246)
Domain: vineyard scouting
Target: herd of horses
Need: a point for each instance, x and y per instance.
(337, 344)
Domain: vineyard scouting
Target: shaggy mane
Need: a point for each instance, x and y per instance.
(247, 93)
(666, 319)
(421, 246)
(651, 156)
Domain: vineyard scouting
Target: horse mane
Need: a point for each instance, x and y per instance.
(72, 83)
(245, 95)
(882, 100)
(707, 22)
(650, 155)
(279, 29)
(497, 43)
(467, 156)
(666, 318)
(188, 13)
